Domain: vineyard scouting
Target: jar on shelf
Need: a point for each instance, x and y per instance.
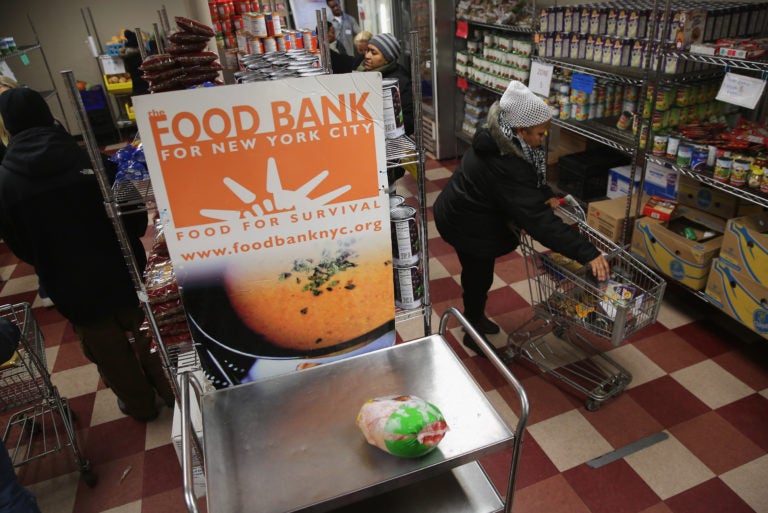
(756, 175)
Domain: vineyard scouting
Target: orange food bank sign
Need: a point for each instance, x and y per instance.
(273, 198)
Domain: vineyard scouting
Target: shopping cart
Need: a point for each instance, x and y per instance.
(569, 303)
(40, 421)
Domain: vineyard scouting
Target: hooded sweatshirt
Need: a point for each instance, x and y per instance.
(52, 216)
(493, 193)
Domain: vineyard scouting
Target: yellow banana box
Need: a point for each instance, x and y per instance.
(685, 260)
(739, 296)
(745, 246)
(692, 193)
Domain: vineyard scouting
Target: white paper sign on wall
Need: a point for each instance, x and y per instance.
(740, 90)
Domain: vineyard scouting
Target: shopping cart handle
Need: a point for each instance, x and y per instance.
(569, 200)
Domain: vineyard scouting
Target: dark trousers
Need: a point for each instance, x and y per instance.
(476, 281)
(130, 370)
(13, 497)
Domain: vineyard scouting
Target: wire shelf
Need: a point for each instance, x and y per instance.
(599, 130)
(401, 151)
(496, 26)
(744, 64)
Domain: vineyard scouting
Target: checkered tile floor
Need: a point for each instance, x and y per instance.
(698, 377)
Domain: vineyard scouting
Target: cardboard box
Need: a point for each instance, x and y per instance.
(695, 194)
(660, 181)
(745, 246)
(618, 181)
(659, 208)
(687, 261)
(607, 216)
(737, 295)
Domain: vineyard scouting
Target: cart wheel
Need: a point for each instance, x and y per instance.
(592, 405)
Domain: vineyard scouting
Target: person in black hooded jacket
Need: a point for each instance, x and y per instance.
(501, 185)
(52, 216)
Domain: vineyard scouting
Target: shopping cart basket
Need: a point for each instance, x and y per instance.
(41, 420)
(571, 304)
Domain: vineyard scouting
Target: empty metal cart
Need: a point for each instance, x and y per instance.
(43, 423)
(569, 303)
(290, 442)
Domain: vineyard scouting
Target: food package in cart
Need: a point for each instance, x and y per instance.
(617, 295)
(404, 425)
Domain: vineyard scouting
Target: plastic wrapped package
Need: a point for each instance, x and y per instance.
(404, 425)
(158, 62)
(161, 282)
(193, 26)
(182, 37)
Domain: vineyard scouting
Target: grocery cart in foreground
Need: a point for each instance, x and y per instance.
(40, 421)
(570, 307)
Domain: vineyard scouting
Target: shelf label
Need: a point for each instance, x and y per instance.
(112, 65)
(540, 78)
(462, 29)
(740, 90)
(583, 82)
(461, 83)
(24, 59)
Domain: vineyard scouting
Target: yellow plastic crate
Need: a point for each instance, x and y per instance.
(123, 87)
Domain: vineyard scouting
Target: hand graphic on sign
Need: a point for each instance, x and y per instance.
(282, 199)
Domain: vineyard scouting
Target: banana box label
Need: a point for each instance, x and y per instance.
(745, 246)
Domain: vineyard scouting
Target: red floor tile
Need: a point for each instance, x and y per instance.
(69, 356)
(667, 401)
(116, 439)
(511, 268)
(749, 416)
(623, 421)
(171, 501)
(119, 483)
(444, 289)
(504, 300)
(711, 496)
(53, 333)
(669, 351)
(438, 246)
(547, 399)
(162, 471)
(745, 367)
(22, 269)
(614, 488)
(52, 465)
(657, 508)
(535, 465)
(646, 332)
(554, 494)
(8, 258)
(705, 336)
(451, 263)
(707, 435)
(47, 316)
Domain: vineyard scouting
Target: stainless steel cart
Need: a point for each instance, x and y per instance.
(43, 423)
(290, 443)
(570, 304)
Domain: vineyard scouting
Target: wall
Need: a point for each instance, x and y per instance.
(62, 33)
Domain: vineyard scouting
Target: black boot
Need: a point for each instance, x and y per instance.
(469, 343)
(483, 325)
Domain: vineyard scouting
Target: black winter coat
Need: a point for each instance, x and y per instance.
(494, 187)
(52, 216)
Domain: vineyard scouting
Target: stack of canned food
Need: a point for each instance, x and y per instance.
(277, 65)
(408, 274)
(493, 59)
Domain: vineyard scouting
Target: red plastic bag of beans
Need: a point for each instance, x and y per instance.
(158, 62)
(189, 25)
(177, 50)
(165, 74)
(185, 38)
(196, 58)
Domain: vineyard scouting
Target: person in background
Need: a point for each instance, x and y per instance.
(52, 216)
(340, 61)
(132, 60)
(499, 187)
(361, 45)
(345, 25)
(382, 55)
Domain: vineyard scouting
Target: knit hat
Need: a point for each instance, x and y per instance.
(24, 108)
(521, 108)
(387, 45)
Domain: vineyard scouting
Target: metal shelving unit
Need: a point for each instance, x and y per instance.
(22, 51)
